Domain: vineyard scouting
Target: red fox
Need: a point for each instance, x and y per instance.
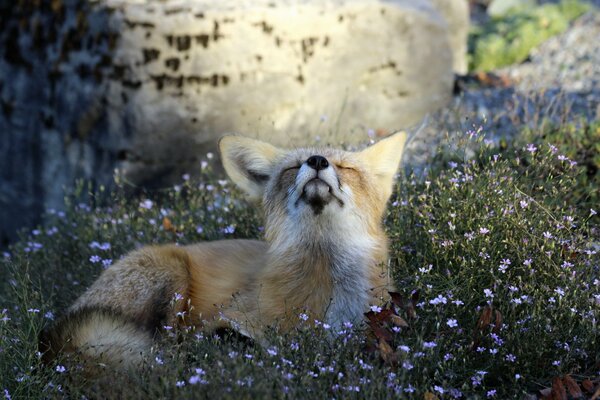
(324, 255)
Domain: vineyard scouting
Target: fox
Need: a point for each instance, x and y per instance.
(324, 257)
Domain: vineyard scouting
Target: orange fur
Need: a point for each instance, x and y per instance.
(325, 254)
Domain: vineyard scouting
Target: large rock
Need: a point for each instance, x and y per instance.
(148, 87)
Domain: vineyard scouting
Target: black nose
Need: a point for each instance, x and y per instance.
(317, 162)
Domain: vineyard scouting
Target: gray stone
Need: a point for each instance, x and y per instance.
(148, 87)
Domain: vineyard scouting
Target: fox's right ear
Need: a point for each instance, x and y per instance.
(248, 162)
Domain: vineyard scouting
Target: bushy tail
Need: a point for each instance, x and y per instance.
(96, 335)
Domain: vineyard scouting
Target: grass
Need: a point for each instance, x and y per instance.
(505, 259)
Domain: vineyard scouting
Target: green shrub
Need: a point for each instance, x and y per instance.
(500, 230)
(508, 39)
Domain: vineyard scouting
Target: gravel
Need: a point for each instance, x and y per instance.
(559, 82)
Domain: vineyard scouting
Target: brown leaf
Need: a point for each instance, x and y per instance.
(382, 333)
(558, 389)
(168, 225)
(485, 318)
(572, 387)
(596, 394)
(498, 324)
(397, 299)
(379, 317)
(407, 305)
(430, 396)
(387, 353)
(587, 385)
(398, 321)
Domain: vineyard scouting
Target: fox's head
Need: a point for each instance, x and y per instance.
(308, 191)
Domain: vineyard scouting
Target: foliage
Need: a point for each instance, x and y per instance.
(498, 236)
(508, 39)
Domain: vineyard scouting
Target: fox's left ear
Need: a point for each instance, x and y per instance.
(383, 159)
(248, 162)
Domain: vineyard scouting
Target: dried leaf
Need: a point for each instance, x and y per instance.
(398, 321)
(485, 318)
(498, 324)
(596, 394)
(572, 387)
(168, 225)
(379, 317)
(587, 385)
(397, 299)
(387, 353)
(430, 396)
(382, 333)
(558, 389)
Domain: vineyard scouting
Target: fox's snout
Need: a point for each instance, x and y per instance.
(317, 162)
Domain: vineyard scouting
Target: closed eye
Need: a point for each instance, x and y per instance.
(345, 167)
(291, 168)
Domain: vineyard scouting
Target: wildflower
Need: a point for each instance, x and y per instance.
(180, 383)
(407, 365)
(147, 204)
(439, 300)
(547, 235)
(592, 212)
(556, 363)
(448, 356)
(527, 262)
(439, 389)
(376, 309)
(553, 148)
(303, 317)
(404, 348)
(229, 229)
(95, 259)
(185, 177)
(452, 323)
(560, 291)
(491, 393)
(49, 315)
(60, 369)
(484, 231)
(523, 204)
(562, 157)
(429, 345)
(458, 302)
(272, 351)
(33, 310)
(488, 293)
(159, 360)
(7, 394)
(107, 263)
(531, 148)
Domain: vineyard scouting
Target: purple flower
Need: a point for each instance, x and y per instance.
(531, 148)
(429, 345)
(147, 204)
(60, 369)
(95, 258)
(452, 323)
(376, 309)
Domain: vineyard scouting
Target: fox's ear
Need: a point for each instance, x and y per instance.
(248, 162)
(383, 159)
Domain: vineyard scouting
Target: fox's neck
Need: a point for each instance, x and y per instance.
(328, 275)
